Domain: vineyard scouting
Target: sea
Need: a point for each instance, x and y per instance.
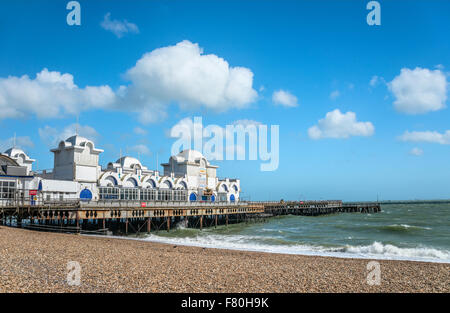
(417, 232)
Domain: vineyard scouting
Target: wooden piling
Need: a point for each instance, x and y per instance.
(78, 221)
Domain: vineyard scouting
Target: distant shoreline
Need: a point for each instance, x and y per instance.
(33, 261)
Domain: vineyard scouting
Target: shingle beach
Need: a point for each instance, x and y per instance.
(37, 262)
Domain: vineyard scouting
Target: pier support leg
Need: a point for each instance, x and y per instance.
(215, 222)
(201, 222)
(149, 224)
(78, 222)
(126, 226)
(226, 220)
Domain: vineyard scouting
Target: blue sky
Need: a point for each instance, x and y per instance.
(309, 49)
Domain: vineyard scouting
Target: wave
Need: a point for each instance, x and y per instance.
(398, 228)
(391, 251)
(376, 250)
(403, 228)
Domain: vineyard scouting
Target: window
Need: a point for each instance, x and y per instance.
(7, 189)
(148, 194)
(222, 197)
(107, 193)
(180, 195)
(165, 195)
(129, 194)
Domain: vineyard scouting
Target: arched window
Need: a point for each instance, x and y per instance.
(111, 180)
(223, 188)
(193, 197)
(130, 182)
(232, 198)
(86, 194)
(166, 185)
(213, 198)
(183, 185)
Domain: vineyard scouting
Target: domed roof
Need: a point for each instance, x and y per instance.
(17, 154)
(189, 155)
(129, 162)
(14, 152)
(77, 140)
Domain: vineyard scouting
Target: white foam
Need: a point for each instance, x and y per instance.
(376, 250)
(419, 253)
(409, 226)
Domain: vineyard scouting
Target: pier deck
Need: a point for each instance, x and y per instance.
(122, 216)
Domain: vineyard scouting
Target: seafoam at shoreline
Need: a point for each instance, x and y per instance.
(370, 252)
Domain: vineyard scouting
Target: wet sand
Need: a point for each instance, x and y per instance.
(33, 261)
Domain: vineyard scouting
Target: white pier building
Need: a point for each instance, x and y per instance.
(77, 175)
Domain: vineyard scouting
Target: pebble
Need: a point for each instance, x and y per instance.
(33, 261)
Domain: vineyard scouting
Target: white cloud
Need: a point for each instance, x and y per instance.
(20, 142)
(52, 136)
(140, 131)
(339, 125)
(141, 149)
(175, 74)
(419, 91)
(183, 74)
(427, 136)
(49, 95)
(374, 81)
(416, 151)
(335, 94)
(118, 28)
(284, 98)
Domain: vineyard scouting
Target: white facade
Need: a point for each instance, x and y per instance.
(20, 157)
(188, 176)
(76, 159)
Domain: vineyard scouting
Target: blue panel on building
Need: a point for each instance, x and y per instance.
(86, 194)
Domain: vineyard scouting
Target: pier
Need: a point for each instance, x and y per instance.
(314, 208)
(124, 217)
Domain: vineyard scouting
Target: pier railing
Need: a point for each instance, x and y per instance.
(116, 203)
